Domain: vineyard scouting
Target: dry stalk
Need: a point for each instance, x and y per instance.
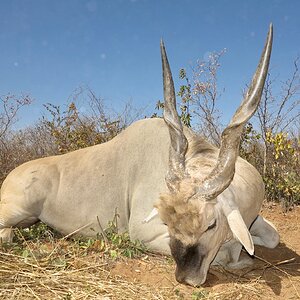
(20, 279)
(102, 231)
(24, 240)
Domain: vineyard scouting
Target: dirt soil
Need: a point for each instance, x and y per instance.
(66, 269)
(275, 273)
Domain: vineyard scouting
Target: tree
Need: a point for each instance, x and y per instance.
(10, 105)
(279, 112)
(62, 129)
(9, 108)
(272, 145)
(199, 97)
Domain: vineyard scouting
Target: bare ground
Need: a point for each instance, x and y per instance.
(275, 273)
(66, 271)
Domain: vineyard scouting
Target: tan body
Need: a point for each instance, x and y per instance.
(71, 191)
(126, 174)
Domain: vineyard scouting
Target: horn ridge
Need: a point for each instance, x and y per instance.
(178, 145)
(170, 112)
(222, 174)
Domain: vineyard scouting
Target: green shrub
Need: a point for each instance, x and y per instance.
(71, 131)
(282, 177)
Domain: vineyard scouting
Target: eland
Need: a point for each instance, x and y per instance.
(172, 189)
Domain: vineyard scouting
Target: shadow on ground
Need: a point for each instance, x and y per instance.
(271, 266)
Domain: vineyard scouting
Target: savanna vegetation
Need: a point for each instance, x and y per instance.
(41, 264)
(271, 142)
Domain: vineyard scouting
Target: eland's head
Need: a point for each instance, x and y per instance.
(199, 210)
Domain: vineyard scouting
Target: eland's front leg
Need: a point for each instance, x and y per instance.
(13, 215)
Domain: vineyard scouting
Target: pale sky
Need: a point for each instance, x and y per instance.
(51, 48)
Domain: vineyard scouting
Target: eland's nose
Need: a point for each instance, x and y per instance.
(183, 279)
(180, 275)
(180, 278)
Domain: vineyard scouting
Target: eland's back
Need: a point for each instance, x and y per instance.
(82, 188)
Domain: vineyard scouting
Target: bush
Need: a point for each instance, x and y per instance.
(71, 131)
(59, 131)
(268, 148)
(282, 175)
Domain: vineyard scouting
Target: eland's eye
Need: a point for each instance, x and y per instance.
(212, 225)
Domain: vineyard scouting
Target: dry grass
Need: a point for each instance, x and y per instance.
(64, 270)
(56, 268)
(21, 279)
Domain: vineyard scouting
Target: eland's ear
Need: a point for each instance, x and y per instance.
(151, 216)
(240, 230)
(235, 220)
